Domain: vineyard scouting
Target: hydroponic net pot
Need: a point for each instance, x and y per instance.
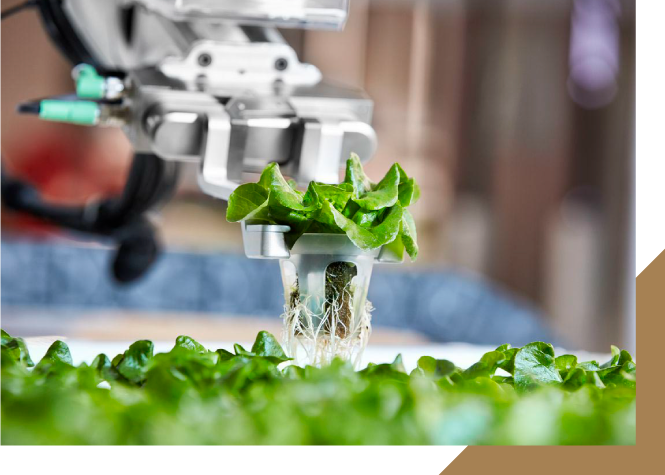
(326, 278)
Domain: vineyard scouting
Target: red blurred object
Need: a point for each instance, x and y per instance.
(67, 167)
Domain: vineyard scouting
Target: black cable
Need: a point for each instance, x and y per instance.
(8, 12)
(150, 181)
(32, 107)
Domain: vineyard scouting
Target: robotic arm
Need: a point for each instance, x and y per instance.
(207, 81)
(213, 81)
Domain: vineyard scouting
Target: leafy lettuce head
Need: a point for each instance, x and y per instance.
(370, 214)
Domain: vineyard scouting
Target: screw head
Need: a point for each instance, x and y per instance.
(281, 64)
(205, 59)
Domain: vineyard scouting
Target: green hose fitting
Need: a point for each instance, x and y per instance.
(74, 112)
(89, 84)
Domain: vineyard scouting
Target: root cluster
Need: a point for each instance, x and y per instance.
(338, 333)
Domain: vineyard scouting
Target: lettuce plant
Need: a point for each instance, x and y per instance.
(370, 214)
(192, 395)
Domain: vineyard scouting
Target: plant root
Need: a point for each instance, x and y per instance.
(317, 340)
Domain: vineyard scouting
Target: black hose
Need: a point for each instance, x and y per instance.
(136, 253)
(151, 181)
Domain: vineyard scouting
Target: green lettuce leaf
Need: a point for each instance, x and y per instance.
(366, 219)
(266, 345)
(281, 193)
(16, 349)
(435, 369)
(565, 364)
(337, 195)
(6, 337)
(365, 238)
(248, 202)
(409, 235)
(508, 363)
(534, 366)
(486, 367)
(57, 362)
(133, 363)
(393, 371)
(355, 176)
(408, 191)
(105, 370)
(189, 343)
(382, 195)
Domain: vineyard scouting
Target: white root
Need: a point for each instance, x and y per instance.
(318, 339)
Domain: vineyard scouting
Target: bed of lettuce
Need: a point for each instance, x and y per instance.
(192, 395)
(370, 214)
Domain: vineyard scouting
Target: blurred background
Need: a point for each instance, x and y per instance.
(516, 117)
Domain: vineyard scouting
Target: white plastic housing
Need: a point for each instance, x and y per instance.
(314, 14)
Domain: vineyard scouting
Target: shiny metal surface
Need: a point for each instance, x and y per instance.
(176, 135)
(213, 177)
(178, 123)
(232, 95)
(320, 14)
(267, 242)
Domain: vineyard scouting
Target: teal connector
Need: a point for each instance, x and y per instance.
(89, 84)
(74, 112)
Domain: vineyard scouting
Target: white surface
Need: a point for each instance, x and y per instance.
(462, 354)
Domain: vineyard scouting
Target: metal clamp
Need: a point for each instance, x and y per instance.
(213, 175)
(266, 241)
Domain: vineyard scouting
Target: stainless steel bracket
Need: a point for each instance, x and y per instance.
(213, 176)
(263, 241)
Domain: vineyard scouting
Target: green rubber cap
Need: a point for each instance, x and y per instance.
(74, 112)
(89, 84)
(90, 87)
